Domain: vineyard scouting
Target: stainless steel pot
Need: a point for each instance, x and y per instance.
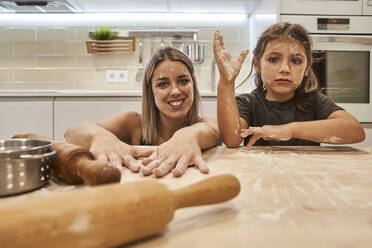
(24, 165)
(195, 52)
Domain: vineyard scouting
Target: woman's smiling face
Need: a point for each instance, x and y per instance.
(283, 66)
(172, 86)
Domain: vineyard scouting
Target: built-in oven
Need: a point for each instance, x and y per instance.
(342, 52)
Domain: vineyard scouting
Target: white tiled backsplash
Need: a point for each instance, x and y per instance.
(55, 58)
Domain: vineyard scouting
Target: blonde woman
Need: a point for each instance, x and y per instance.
(169, 123)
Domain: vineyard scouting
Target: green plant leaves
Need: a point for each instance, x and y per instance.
(103, 33)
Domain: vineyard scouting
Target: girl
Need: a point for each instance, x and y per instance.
(286, 108)
(169, 120)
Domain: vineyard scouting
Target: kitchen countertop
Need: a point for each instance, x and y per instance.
(290, 197)
(68, 93)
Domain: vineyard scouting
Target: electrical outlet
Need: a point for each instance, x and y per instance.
(117, 76)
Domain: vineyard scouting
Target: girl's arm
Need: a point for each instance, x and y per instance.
(108, 140)
(339, 128)
(183, 149)
(229, 121)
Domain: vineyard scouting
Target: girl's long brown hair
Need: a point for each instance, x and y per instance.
(150, 120)
(309, 84)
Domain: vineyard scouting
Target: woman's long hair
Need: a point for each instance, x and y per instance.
(150, 113)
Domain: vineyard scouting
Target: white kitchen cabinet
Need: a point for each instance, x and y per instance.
(208, 106)
(368, 131)
(165, 6)
(26, 115)
(69, 110)
(320, 7)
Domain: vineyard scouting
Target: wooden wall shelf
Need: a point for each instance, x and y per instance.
(125, 45)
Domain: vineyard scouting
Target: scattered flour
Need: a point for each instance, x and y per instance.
(275, 216)
(236, 132)
(332, 139)
(80, 224)
(258, 185)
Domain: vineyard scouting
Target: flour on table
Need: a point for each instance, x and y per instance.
(80, 224)
(275, 216)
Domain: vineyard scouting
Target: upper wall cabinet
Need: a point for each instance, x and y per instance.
(150, 6)
(201, 6)
(321, 7)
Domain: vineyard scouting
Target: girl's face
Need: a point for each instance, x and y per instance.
(172, 86)
(283, 66)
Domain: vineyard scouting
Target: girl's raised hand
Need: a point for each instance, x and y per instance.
(229, 68)
(268, 132)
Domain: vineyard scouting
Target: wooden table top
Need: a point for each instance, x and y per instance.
(290, 197)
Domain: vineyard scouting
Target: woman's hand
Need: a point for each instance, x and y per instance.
(176, 155)
(118, 153)
(229, 68)
(268, 132)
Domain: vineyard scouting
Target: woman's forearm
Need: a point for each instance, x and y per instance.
(228, 115)
(209, 134)
(84, 132)
(205, 133)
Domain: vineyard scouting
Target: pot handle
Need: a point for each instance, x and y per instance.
(38, 156)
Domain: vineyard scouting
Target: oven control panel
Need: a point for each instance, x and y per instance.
(333, 23)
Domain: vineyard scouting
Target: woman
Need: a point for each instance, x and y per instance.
(169, 120)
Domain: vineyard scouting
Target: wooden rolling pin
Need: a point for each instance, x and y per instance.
(76, 165)
(107, 215)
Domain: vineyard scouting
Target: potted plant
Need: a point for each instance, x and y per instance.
(104, 40)
(103, 33)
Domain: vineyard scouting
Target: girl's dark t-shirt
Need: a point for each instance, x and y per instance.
(257, 111)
